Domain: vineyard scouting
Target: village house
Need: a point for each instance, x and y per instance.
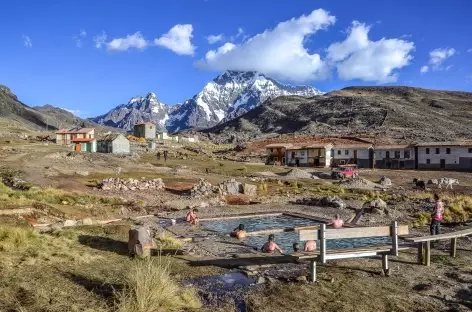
(84, 145)
(66, 136)
(145, 130)
(163, 136)
(276, 153)
(311, 155)
(296, 155)
(444, 155)
(360, 154)
(183, 138)
(400, 156)
(115, 143)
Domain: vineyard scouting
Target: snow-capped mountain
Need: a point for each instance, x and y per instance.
(228, 96)
(138, 109)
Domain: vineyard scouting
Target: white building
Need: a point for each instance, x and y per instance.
(444, 155)
(398, 156)
(311, 155)
(360, 154)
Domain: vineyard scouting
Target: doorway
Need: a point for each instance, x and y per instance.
(78, 147)
(297, 162)
(316, 162)
(442, 164)
(355, 156)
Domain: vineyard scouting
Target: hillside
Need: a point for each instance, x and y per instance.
(39, 117)
(396, 113)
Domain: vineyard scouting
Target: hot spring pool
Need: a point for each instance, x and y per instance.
(285, 240)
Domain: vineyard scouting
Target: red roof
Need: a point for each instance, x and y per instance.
(73, 131)
(83, 139)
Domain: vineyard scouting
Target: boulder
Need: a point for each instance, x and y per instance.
(250, 189)
(232, 187)
(385, 181)
(378, 203)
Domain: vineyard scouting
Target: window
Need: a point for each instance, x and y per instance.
(342, 162)
(427, 151)
(346, 152)
(397, 154)
(271, 150)
(428, 161)
(387, 154)
(302, 153)
(437, 150)
(448, 150)
(470, 150)
(339, 152)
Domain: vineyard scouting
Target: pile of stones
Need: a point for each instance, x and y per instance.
(202, 188)
(114, 184)
(326, 201)
(230, 187)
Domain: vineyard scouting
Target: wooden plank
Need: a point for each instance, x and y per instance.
(456, 234)
(453, 247)
(352, 255)
(243, 216)
(358, 232)
(428, 253)
(306, 235)
(322, 235)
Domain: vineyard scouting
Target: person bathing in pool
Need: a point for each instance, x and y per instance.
(270, 246)
(239, 232)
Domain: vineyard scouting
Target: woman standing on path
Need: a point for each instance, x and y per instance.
(437, 216)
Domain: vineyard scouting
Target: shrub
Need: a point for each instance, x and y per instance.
(149, 287)
(167, 241)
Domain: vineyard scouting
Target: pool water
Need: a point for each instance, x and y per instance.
(285, 240)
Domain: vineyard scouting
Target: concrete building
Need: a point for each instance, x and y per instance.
(115, 143)
(84, 145)
(296, 156)
(188, 138)
(145, 130)
(276, 153)
(444, 155)
(319, 155)
(400, 156)
(163, 136)
(66, 136)
(360, 154)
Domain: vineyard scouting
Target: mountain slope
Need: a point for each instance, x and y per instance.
(401, 113)
(39, 117)
(227, 96)
(138, 109)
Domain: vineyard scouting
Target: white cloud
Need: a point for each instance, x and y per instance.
(438, 56)
(424, 69)
(215, 38)
(278, 52)
(357, 57)
(100, 40)
(27, 41)
(135, 40)
(76, 112)
(78, 39)
(178, 39)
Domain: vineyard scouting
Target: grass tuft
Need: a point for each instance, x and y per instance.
(167, 241)
(13, 238)
(148, 286)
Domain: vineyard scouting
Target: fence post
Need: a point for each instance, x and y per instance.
(394, 233)
(313, 270)
(322, 236)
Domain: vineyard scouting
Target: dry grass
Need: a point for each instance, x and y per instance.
(12, 238)
(149, 287)
(168, 241)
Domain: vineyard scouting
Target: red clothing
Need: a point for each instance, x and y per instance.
(438, 211)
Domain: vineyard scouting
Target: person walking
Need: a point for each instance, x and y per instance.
(158, 155)
(165, 156)
(437, 216)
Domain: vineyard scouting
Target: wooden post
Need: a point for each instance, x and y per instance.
(428, 253)
(394, 233)
(385, 268)
(453, 247)
(322, 236)
(312, 270)
(420, 253)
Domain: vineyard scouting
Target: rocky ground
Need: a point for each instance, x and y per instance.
(73, 192)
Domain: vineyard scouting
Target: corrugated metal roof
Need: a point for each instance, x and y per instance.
(445, 143)
(356, 145)
(83, 139)
(394, 146)
(286, 145)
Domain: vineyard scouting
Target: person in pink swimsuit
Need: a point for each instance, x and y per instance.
(310, 245)
(336, 223)
(270, 246)
(437, 216)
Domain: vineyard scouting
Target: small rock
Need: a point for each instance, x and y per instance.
(87, 221)
(82, 173)
(250, 189)
(64, 202)
(302, 279)
(260, 280)
(70, 223)
(378, 203)
(385, 181)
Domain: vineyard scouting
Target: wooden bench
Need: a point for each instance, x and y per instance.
(424, 244)
(322, 234)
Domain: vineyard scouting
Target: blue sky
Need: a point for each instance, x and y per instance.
(54, 52)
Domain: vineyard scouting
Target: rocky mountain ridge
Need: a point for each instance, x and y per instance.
(228, 96)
